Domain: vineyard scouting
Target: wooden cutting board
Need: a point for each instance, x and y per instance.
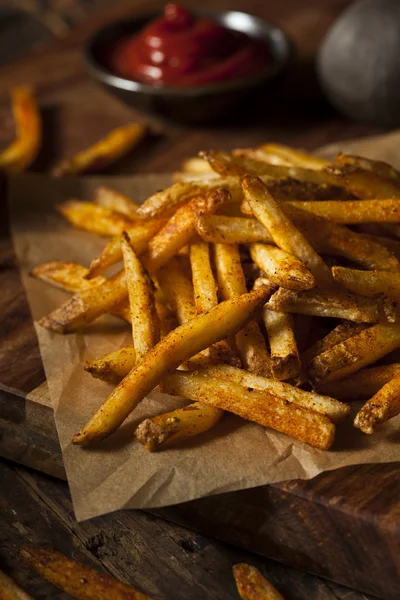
(343, 525)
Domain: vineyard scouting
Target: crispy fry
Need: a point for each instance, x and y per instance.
(113, 200)
(144, 318)
(167, 429)
(368, 283)
(363, 384)
(196, 165)
(293, 156)
(250, 342)
(180, 228)
(350, 212)
(221, 229)
(378, 167)
(104, 152)
(23, 150)
(252, 585)
(177, 347)
(178, 290)
(140, 235)
(285, 359)
(384, 405)
(77, 579)
(337, 304)
(354, 353)
(282, 268)
(283, 231)
(9, 590)
(94, 218)
(392, 245)
(340, 333)
(254, 405)
(113, 366)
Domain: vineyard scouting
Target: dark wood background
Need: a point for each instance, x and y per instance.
(45, 38)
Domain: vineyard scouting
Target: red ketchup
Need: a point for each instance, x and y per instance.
(180, 50)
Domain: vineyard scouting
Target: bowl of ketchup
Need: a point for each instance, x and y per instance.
(185, 66)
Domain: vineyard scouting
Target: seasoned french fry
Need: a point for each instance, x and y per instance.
(23, 150)
(283, 231)
(285, 359)
(363, 384)
(354, 353)
(392, 245)
(9, 590)
(113, 366)
(282, 268)
(378, 167)
(205, 288)
(177, 347)
(140, 235)
(196, 165)
(340, 333)
(178, 290)
(76, 579)
(104, 152)
(368, 184)
(167, 429)
(221, 229)
(323, 405)
(252, 585)
(337, 304)
(250, 341)
(113, 200)
(368, 283)
(384, 405)
(94, 218)
(350, 212)
(144, 318)
(293, 156)
(255, 405)
(180, 228)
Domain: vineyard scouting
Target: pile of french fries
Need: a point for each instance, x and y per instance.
(263, 282)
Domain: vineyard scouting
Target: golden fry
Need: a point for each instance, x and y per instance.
(340, 333)
(113, 366)
(254, 405)
(144, 318)
(363, 384)
(178, 290)
(104, 152)
(293, 156)
(23, 150)
(9, 590)
(167, 429)
(378, 167)
(285, 359)
(197, 166)
(350, 212)
(282, 268)
(384, 405)
(177, 347)
(76, 579)
(113, 200)
(368, 283)
(252, 585)
(221, 229)
(94, 218)
(205, 288)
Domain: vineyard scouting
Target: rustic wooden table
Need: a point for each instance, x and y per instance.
(162, 559)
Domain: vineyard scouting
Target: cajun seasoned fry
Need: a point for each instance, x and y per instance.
(165, 430)
(94, 218)
(76, 579)
(259, 406)
(250, 341)
(205, 289)
(384, 405)
(285, 359)
(283, 231)
(282, 268)
(340, 333)
(363, 384)
(378, 167)
(178, 290)
(185, 341)
(104, 152)
(293, 156)
(252, 585)
(197, 166)
(113, 200)
(144, 318)
(350, 212)
(23, 150)
(368, 283)
(9, 590)
(113, 366)
(221, 229)
(354, 353)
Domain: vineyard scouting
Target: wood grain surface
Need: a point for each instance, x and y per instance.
(343, 525)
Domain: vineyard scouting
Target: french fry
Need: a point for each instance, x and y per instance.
(180, 228)
(9, 590)
(165, 430)
(76, 579)
(104, 152)
(252, 585)
(350, 212)
(113, 200)
(282, 268)
(293, 156)
(259, 406)
(250, 341)
(324, 405)
(368, 283)
(384, 405)
(144, 318)
(354, 353)
(114, 365)
(283, 231)
(221, 229)
(392, 245)
(178, 290)
(378, 167)
(178, 346)
(23, 150)
(363, 384)
(94, 218)
(340, 333)
(140, 235)
(285, 359)
(337, 304)
(197, 166)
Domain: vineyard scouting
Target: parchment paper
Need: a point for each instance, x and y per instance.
(119, 472)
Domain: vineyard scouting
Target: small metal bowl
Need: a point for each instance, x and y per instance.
(206, 103)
